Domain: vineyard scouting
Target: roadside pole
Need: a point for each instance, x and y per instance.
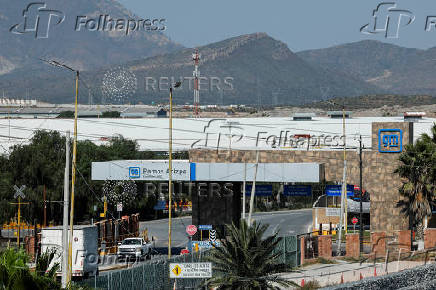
(361, 196)
(343, 216)
(243, 190)
(253, 189)
(65, 215)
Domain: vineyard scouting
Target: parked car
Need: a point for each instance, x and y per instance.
(134, 248)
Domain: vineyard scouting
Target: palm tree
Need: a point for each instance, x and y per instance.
(15, 274)
(418, 172)
(45, 273)
(246, 261)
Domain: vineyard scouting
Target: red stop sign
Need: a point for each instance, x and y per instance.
(191, 230)
(354, 220)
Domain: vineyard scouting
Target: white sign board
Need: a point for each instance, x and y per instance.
(140, 170)
(119, 206)
(190, 270)
(332, 211)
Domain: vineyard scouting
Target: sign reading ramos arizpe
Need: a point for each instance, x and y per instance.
(190, 270)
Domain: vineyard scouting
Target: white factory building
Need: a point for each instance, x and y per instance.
(236, 133)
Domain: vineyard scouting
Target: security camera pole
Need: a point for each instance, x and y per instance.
(170, 165)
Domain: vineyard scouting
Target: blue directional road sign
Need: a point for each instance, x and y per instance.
(205, 227)
(336, 190)
(297, 190)
(260, 190)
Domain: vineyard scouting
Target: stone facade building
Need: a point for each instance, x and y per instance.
(378, 169)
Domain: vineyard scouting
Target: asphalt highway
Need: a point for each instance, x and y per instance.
(292, 222)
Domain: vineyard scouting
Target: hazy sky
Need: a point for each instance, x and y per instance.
(301, 24)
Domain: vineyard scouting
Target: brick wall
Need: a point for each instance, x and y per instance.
(378, 243)
(429, 238)
(302, 250)
(352, 247)
(404, 241)
(325, 247)
(378, 171)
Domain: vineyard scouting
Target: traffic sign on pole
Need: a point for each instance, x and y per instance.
(190, 270)
(191, 230)
(354, 220)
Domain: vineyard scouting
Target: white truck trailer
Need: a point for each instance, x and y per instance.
(85, 248)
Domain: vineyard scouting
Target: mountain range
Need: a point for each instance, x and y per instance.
(21, 48)
(252, 69)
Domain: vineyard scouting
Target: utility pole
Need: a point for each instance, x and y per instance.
(243, 190)
(73, 182)
(253, 188)
(361, 195)
(343, 217)
(45, 207)
(73, 175)
(170, 170)
(170, 165)
(65, 215)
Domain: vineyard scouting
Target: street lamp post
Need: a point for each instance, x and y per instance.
(170, 165)
(344, 206)
(73, 171)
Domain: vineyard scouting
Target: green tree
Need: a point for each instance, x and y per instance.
(66, 115)
(111, 114)
(15, 274)
(246, 261)
(40, 165)
(417, 171)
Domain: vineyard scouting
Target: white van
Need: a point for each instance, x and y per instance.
(85, 248)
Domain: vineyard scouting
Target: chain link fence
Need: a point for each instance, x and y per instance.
(289, 247)
(154, 274)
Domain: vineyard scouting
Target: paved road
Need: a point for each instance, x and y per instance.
(286, 222)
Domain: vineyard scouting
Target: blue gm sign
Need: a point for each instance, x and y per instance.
(390, 140)
(134, 172)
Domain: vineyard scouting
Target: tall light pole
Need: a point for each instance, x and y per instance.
(73, 171)
(343, 215)
(65, 213)
(170, 165)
